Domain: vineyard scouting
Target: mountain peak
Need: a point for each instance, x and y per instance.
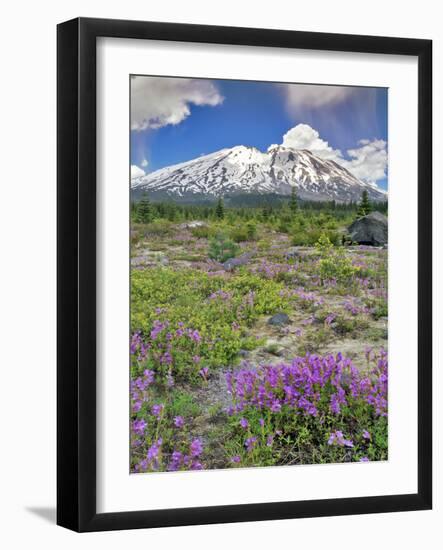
(244, 169)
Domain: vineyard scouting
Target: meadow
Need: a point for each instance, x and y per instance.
(258, 337)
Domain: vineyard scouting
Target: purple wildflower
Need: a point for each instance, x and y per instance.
(195, 336)
(196, 448)
(170, 380)
(204, 373)
(153, 452)
(157, 410)
(166, 358)
(138, 426)
(329, 319)
(179, 421)
(157, 329)
(176, 460)
(250, 443)
(149, 376)
(337, 438)
(244, 423)
(142, 465)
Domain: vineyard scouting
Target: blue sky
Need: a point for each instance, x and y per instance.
(174, 120)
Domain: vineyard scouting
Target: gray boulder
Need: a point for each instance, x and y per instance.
(370, 230)
(232, 263)
(279, 319)
(293, 253)
(194, 224)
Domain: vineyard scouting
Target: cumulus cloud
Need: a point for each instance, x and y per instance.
(136, 172)
(367, 162)
(144, 163)
(303, 136)
(314, 96)
(159, 101)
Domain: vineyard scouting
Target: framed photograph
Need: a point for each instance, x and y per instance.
(244, 274)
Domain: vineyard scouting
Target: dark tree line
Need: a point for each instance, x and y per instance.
(285, 209)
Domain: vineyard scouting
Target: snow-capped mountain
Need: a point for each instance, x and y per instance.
(246, 170)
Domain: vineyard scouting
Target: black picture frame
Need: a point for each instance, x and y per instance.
(76, 265)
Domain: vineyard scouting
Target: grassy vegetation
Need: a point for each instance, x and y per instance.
(213, 384)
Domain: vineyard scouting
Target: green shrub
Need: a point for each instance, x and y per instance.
(175, 304)
(158, 228)
(202, 232)
(263, 245)
(239, 234)
(244, 232)
(309, 237)
(284, 226)
(221, 248)
(349, 326)
(251, 230)
(305, 237)
(183, 404)
(334, 264)
(379, 306)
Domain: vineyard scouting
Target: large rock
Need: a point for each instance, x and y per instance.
(279, 319)
(232, 263)
(193, 225)
(369, 230)
(293, 253)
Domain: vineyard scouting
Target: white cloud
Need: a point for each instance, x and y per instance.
(314, 96)
(368, 162)
(159, 101)
(136, 172)
(303, 136)
(144, 163)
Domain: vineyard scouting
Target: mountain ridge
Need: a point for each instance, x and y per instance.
(247, 170)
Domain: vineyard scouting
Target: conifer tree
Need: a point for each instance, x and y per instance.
(161, 210)
(293, 202)
(266, 212)
(220, 209)
(171, 211)
(364, 207)
(145, 210)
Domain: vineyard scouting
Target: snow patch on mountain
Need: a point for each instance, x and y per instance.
(247, 170)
